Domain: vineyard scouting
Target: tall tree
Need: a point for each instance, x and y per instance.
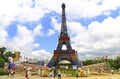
(88, 62)
(117, 62)
(2, 63)
(2, 50)
(8, 54)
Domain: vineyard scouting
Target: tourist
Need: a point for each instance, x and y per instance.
(112, 71)
(59, 74)
(42, 72)
(11, 73)
(76, 73)
(28, 73)
(54, 73)
(88, 70)
(64, 73)
(100, 71)
(39, 71)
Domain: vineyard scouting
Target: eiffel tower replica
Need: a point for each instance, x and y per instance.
(69, 54)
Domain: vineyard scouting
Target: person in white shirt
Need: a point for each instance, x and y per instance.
(59, 74)
(28, 73)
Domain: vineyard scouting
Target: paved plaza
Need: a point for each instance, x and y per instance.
(19, 76)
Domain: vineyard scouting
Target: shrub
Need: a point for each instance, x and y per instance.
(2, 63)
(71, 72)
(3, 72)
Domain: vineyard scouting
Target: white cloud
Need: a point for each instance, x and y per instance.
(98, 39)
(81, 8)
(90, 8)
(36, 45)
(50, 32)
(41, 54)
(8, 10)
(3, 37)
(75, 28)
(56, 26)
(24, 40)
(28, 10)
(38, 30)
(24, 35)
(19, 10)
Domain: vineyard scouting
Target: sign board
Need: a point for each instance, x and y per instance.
(74, 66)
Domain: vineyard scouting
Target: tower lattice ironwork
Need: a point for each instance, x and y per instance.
(64, 54)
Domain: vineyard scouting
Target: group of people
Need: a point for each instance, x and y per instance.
(28, 73)
(54, 73)
(59, 73)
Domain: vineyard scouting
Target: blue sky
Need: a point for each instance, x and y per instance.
(33, 26)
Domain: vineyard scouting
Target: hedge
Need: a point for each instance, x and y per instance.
(3, 72)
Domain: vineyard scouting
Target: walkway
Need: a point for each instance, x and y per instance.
(19, 76)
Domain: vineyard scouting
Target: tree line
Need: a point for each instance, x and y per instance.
(4, 54)
(114, 63)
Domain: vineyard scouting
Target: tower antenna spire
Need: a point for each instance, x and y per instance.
(63, 23)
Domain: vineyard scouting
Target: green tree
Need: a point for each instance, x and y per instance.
(8, 54)
(118, 61)
(2, 63)
(88, 62)
(2, 50)
(114, 63)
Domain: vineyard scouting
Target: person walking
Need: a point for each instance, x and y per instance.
(54, 73)
(11, 74)
(76, 73)
(28, 73)
(64, 73)
(88, 70)
(59, 74)
(112, 71)
(39, 71)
